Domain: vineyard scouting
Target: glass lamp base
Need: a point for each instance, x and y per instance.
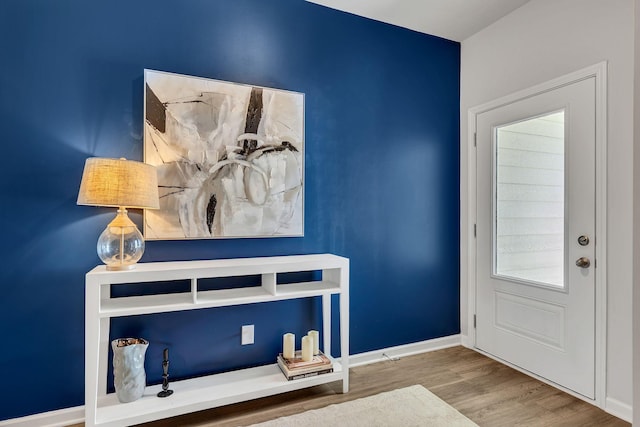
(121, 244)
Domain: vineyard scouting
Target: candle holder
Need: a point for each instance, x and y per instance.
(165, 375)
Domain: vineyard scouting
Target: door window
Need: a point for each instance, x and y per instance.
(529, 205)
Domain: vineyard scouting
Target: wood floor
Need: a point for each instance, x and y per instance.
(487, 392)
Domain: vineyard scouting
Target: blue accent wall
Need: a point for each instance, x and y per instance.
(382, 175)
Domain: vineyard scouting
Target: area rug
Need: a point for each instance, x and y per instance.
(405, 407)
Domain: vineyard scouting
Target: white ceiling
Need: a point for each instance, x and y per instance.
(449, 19)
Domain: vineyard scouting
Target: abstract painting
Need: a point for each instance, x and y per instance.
(230, 158)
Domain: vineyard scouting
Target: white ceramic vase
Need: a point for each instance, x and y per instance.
(129, 377)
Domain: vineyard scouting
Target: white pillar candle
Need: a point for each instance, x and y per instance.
(307, 348)
(316, 341)
(288, 346)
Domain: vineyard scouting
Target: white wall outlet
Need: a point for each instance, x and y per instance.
(247, 334)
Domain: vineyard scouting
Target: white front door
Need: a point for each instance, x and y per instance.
(535, 294)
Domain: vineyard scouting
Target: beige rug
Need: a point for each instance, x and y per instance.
(405, 407)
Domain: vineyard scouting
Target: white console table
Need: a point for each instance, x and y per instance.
(103, 409)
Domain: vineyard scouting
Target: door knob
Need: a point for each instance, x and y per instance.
(583, 262)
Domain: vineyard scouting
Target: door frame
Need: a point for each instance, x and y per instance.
(468, 219)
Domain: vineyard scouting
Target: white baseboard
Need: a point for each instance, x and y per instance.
(69, 416)
(59, 418)
(466, 341)
(619, 409)
(403, 350)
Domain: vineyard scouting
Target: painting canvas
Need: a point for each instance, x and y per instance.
(230, 158)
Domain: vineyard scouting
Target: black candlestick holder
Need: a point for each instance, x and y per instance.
(165, 375)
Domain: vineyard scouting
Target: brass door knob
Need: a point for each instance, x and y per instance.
(583, 262)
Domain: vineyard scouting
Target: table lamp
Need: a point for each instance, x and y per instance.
(123, 184)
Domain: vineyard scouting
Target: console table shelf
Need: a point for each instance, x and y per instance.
(199, 394)
(103, 409)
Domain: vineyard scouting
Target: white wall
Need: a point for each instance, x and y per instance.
(543, 40)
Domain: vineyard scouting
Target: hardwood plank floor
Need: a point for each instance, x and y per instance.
(487, 392)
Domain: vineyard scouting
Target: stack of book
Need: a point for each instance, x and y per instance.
(296, 368)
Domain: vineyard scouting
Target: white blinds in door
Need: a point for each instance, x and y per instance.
(529, 200)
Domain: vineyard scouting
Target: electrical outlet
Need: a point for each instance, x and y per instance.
(247, 334)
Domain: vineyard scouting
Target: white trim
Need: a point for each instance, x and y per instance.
(58, 418)
(65, 417)
(468, 245)
(619, 409)
(468, 216)
(467, 341)
(403, 350)
(602, 245)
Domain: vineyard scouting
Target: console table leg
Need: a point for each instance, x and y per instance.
(326, 324)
